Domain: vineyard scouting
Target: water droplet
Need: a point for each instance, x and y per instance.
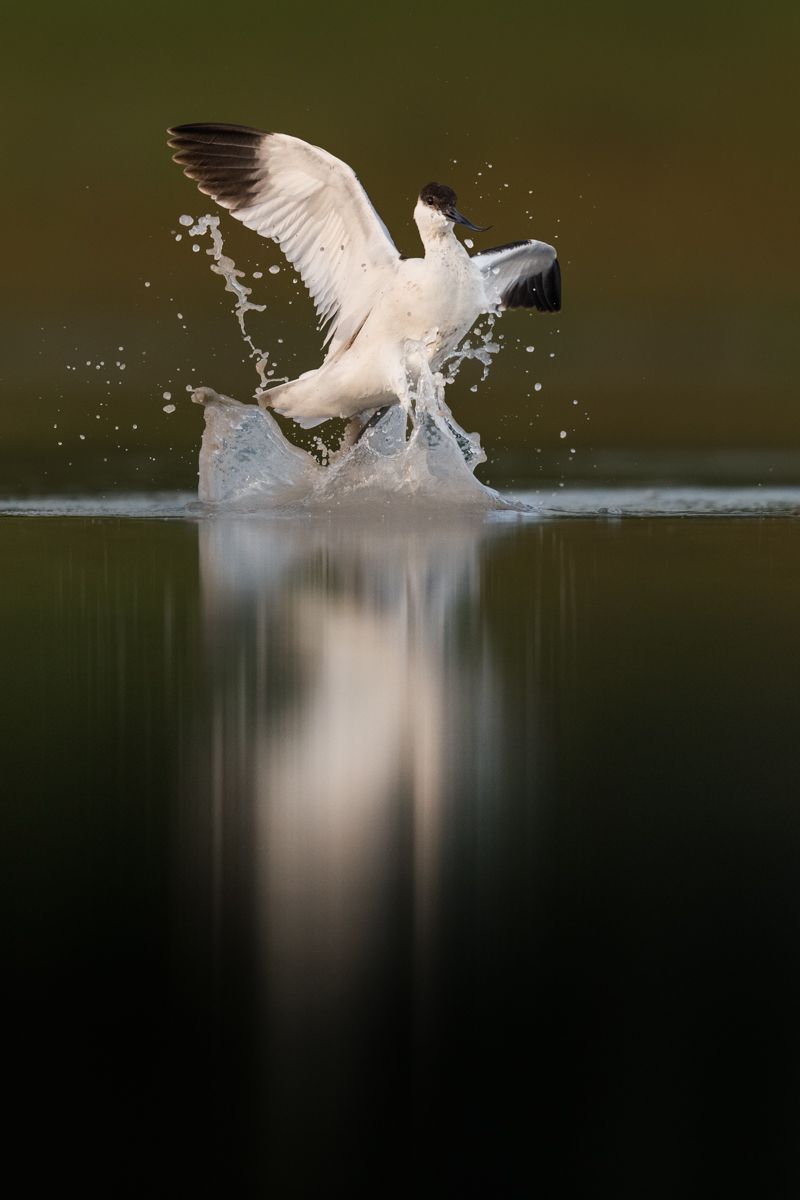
(168, 408)
(274, 269)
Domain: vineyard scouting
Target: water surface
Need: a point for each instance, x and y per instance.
(417, 856)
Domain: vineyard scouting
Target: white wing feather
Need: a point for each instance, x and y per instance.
(309, 202)
(521, 275)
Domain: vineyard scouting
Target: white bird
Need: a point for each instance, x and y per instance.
(374, 301)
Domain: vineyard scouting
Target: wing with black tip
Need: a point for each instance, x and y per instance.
(521, 275)
(307, 201)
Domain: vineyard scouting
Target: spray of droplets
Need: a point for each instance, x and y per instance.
(483, 349)
(226, 268)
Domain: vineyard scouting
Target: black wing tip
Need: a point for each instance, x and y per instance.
(223, 160)
(542, 291)
(551, 286)
(215, 133)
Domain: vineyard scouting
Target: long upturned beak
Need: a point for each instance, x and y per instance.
(453, 214)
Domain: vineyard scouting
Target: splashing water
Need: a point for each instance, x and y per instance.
(224, 266)
(247, 465)
(415, 450)
(484, 351)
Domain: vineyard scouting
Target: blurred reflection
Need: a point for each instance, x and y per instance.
(452, 843)
(355, 699)
(344, 692)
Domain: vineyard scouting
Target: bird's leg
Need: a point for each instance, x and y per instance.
(372, 421)
(350, 437)
(354, 429)
(464, 445)
(357, 426)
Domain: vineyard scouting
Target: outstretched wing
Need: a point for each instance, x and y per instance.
(521, 275)
(309, 202)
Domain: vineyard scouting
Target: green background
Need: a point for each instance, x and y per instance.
(655, 145)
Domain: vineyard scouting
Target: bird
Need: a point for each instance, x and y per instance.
(375, 302)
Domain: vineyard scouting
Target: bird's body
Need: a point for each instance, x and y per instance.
(430, 303)
(379, 305)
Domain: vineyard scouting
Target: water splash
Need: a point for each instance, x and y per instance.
(224, 266)
(416, 449)
(483, 351)
(416, 453)
(245, 461)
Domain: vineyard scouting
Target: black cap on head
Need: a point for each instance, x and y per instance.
(442, 199)
(438, 195)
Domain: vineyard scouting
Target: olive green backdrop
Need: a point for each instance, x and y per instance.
(656, 145)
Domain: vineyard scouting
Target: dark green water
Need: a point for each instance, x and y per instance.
(432, 859)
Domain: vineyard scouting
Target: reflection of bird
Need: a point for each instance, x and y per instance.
(314, 207)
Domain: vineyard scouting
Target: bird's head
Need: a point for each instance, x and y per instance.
(436, 210)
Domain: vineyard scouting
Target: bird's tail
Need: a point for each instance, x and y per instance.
(334, 390)
(297, 399)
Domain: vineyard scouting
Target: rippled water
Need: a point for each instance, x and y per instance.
(546, 503)
(411, 855)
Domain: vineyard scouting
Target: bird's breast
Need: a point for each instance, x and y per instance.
(430, 299)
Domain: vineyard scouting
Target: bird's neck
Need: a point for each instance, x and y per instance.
(435, 231)
(441, 243)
